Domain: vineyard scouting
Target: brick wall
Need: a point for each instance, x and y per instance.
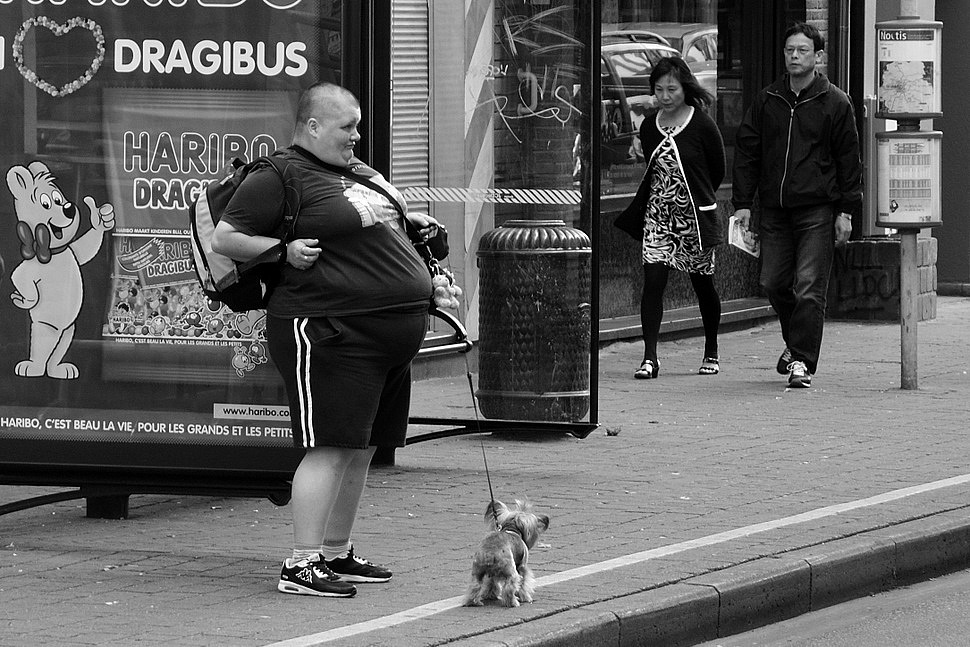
(817, 14)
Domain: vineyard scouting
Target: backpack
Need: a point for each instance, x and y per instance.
(247, 285)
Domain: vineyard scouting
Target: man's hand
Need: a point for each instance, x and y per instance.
(843, 228)
(425, 224)
(302, 253)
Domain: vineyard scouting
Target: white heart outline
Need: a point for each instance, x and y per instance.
(58, 29)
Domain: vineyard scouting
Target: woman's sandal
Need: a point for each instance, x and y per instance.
(709, 366)
(648, 370)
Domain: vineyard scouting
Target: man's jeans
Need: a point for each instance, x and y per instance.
(797, 246)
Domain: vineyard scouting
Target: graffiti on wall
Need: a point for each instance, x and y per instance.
(865, 281)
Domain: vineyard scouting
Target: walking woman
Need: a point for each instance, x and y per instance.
(675, 211)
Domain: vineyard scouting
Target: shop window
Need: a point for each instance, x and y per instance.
(733, 48)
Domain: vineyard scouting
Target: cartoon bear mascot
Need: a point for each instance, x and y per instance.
(47, 283)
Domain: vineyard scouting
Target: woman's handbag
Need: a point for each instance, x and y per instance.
(630, 222)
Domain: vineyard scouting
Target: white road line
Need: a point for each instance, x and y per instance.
(432, 608)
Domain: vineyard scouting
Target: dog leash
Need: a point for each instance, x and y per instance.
(481, 441)
(488, 477)
(478, 428)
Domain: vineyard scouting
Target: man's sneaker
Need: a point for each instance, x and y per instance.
(312, 577)
(798, 375)
(783, 362)
(357, 569)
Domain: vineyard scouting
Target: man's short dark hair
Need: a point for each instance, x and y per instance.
(317, 92)
(807, 30)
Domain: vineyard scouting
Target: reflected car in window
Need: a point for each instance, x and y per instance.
(627, 99)
(695, 41)
(628, 53)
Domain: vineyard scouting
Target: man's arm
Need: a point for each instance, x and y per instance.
(235, 235)
(747, 158)
(848, 162)
(238, 245)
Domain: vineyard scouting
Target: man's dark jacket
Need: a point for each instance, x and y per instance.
(798, 152)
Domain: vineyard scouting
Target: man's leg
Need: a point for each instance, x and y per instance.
(316, 491)
(778, 264)
(815, 242)
(337, 549)
(340, 524)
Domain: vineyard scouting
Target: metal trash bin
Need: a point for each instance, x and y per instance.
(534, 326)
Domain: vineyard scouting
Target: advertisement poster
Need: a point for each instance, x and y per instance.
(157, 168)
(116, 114)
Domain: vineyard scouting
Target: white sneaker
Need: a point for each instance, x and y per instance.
(798, 375)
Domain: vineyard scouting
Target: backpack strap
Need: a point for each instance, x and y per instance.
(292, 191)
(292, 200)
(411, 230)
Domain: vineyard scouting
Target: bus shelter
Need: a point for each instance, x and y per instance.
(118, 376)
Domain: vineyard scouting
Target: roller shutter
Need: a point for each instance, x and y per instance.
(410, 63)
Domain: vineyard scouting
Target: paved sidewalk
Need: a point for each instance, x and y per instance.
(703, 504)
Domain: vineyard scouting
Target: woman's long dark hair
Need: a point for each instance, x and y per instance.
(694, 94)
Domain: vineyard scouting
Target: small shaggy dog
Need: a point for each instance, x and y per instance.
(500, 569)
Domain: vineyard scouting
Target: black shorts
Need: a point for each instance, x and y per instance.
(348, 379)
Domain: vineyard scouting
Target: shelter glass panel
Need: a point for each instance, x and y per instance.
(509, 147)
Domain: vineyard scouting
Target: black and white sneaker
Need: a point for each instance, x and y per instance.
(357, 569)
(783, 362)
(798, 375)
(312, 577)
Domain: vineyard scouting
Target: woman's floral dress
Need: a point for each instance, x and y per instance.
(670, 233)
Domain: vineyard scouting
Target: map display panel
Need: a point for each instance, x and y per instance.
(908, 72)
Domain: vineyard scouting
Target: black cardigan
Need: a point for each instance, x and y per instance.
(701, 153)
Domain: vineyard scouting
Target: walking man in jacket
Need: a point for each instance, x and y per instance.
(798, 150)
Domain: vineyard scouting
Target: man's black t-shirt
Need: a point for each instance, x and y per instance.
(367, 263)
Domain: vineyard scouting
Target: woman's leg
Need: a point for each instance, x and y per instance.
(709, 303)
(652, 306)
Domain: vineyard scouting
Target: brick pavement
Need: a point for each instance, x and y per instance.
(678, 459)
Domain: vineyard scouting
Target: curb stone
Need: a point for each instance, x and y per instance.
(751, 595)
(761, 592)
(676, 614)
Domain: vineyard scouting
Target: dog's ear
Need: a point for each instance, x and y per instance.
(543, 521)
(494, 511)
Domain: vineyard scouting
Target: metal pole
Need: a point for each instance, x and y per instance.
(908, 308)
(908, 272)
